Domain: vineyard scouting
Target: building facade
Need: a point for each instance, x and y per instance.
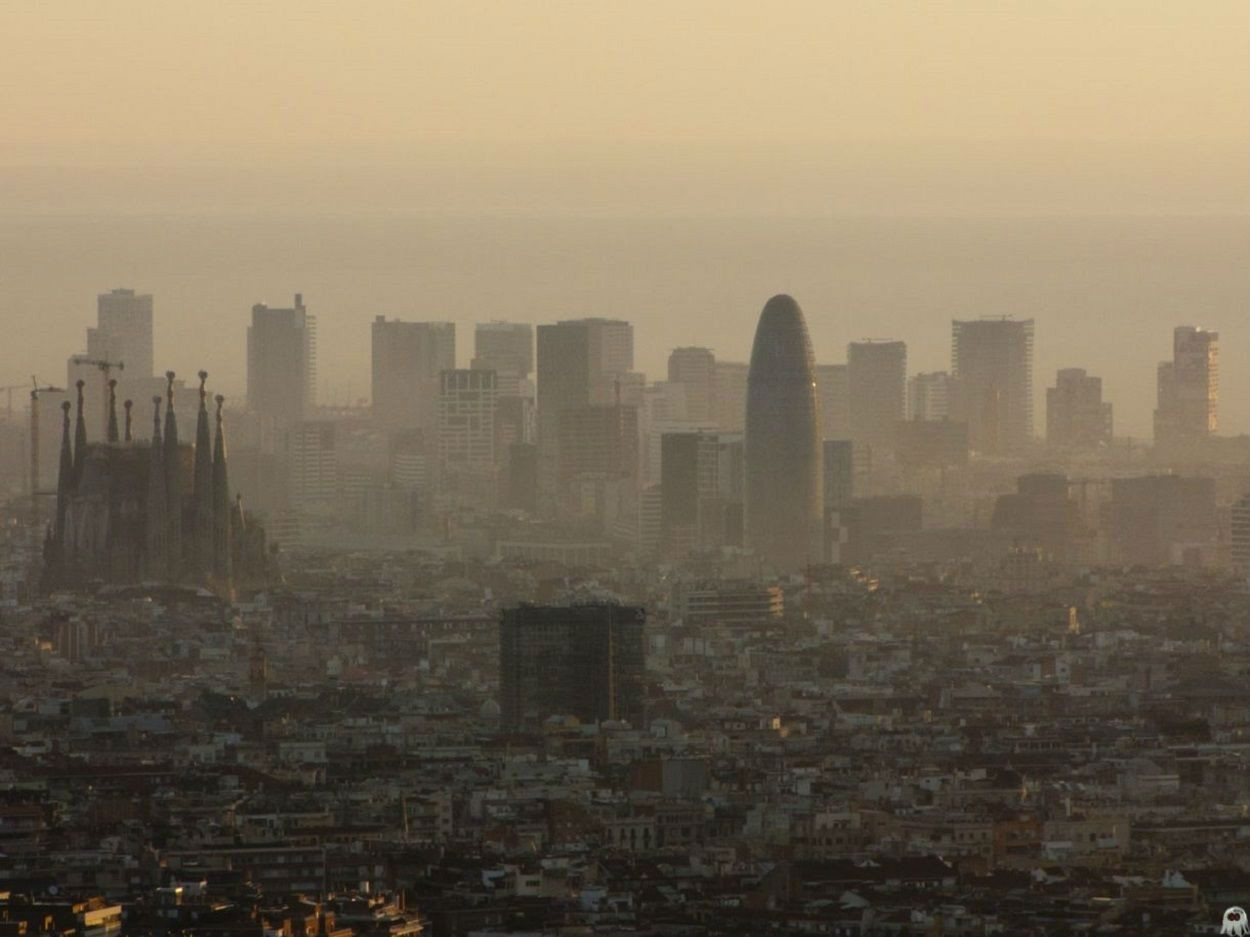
(1187, 411)
(992, 366)
(877, 386)
(408, 358)
(1076, 414)
(585, 661)
(282, 363)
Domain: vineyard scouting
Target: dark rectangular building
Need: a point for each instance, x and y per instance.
(580, 660)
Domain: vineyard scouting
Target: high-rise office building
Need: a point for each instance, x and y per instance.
(611, 347)
(312, 466)
(928, 396)
(467, 402)
(992, 367)
(1189, 389)
(282, 362)
(690, 514)
(834, 397)
(731, 396)
(877, 385)
(837, 472)
(123, 332)
(564, 376)
(695, 370)
(782, 456)
(408, 358)
(580, 362)
(1076, 414)
(507, 348)
(585, 661)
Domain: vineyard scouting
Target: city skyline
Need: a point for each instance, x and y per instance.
(323, 393)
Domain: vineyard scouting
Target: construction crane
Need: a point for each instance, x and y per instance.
(105, 367)
(9, 389)
(36, 390)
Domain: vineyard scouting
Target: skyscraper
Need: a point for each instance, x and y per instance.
(928, 396)
(466, 429)
(1189, 388)
(783, 497)
(1076, 414)
(408, 358)
(282, 362)
(695, 370)
(123, 332)
(585, 661)
(507, 348)
(689, 489)
(877, 386)
(580, 362)
(731, 396)
(833, 395)
(992, 366)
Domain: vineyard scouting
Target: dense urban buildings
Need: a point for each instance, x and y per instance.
(783, 497)
(282, 363)
(992, 369)
(1187, 412)
(404, 693)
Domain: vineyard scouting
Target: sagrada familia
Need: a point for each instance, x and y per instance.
(158, 511)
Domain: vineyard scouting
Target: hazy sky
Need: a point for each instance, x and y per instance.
(1131, 105)
(277, 117)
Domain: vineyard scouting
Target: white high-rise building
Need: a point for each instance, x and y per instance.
(466, 424)
(928, 396)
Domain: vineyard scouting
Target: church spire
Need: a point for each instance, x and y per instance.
(221, 503)
(173, 483)
(202, 542)
(80, 436)
(64, 480)
(112, 422)
(156, 524)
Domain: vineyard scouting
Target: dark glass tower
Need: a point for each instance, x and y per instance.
(783, 497)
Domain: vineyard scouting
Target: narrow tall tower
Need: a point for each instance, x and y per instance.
(156, 524)
(221, 503)
(783, 496)
(173, 483)
(64, 480)
(202, 536)
(80, 436)
(111, 431)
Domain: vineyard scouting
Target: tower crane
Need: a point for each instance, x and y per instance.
(105, 367)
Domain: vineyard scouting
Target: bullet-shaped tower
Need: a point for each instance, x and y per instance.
(782, 446)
